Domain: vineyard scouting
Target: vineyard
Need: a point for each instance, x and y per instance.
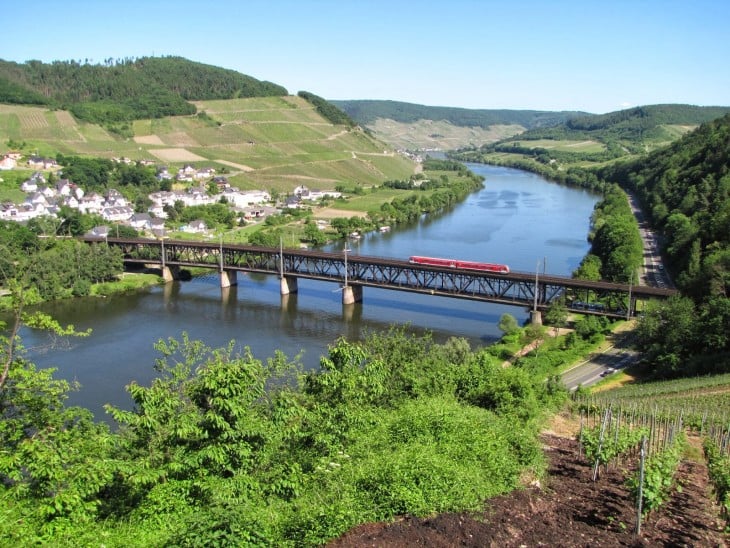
(644, 428)
(643, 465)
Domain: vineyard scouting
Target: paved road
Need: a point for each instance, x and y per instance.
(598, 366)
(653, 272)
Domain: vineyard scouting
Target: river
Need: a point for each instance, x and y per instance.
(517, 218)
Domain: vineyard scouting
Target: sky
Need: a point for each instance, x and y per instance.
(594, 56)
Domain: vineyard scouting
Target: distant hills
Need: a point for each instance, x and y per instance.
(632, 125)
(366, 112)
(418, 126)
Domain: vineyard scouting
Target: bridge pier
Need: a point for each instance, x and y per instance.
(535, 317)
(351, 294)
(229, 278)
(288, 285)
(170, 273)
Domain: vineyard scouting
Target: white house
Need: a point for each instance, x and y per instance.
(240, 198)
(91, 203)
(117, 213)
(8, 162)
(140, 221)
(204, 173)
(196, 227)
(29, 185)
(40, 162)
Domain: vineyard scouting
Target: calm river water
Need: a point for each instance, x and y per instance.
(518, 218)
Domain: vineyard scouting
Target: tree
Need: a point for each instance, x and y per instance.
(508, 324)
(313, 234)
(556, 315)
(53, 459)
(533, 335)
(589, 269)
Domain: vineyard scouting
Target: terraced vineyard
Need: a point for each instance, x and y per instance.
(702, 401)
(275, 143)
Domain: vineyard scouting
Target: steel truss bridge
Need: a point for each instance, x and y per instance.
(534, 291)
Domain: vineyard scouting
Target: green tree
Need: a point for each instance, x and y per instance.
(556, 315)
(508, 324)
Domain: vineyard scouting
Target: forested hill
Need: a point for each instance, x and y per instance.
(366, 111)
(630, 126)
(123, 90)
(685, 188)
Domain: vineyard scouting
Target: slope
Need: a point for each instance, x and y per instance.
(412, 126)
(274, 143)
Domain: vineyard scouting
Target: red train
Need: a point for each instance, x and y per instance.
(457, 264)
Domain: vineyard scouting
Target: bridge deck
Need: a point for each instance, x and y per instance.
(515, 288)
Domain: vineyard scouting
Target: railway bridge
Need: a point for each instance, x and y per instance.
(533, 291)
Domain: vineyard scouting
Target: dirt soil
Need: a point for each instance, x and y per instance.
(567, 510)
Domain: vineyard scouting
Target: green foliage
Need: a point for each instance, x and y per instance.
(659, 471)
(327, 109)
(122, 90)
(223, 449)
(615, 239)
(367, 111)
(214, 215)
(718, 466)
(602, 448)
(508, 324)
(686, 190)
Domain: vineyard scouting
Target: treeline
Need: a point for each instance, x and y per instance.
(617, 251)
(223, 449)
(123, 90)
(622, 133)
(327, 109)
(685, 191)
(573, 176)
(54, 268)
(367, 111)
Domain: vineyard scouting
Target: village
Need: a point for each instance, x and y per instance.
(44, 198)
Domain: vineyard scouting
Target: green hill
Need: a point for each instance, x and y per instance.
(275, 143)
(412, 126)
(128, 89)
(367, 111)
(594, 140)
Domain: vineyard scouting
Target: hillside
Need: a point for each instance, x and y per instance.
(274, 143)
(125, 89)
(411, 126)
(595, 140)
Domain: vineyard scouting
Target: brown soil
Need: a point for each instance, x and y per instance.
(568, 510)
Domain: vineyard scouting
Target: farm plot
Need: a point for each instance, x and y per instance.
(176, 155)
(585, 146)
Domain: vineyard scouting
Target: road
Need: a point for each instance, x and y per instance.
(598, 366)
(653, 272)
(620, 354)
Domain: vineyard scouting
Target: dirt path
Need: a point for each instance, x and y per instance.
(568, 510)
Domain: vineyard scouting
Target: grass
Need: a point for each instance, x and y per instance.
(283, 139)
(564, 146)
(371, 200)
(126, 283)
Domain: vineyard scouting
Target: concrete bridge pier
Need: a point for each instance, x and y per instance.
(229, 294)
(535, 317)
(229, 278)
(170, 273)
(351, 294)
(288, 285)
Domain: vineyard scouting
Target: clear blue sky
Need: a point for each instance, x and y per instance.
(590, 55)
